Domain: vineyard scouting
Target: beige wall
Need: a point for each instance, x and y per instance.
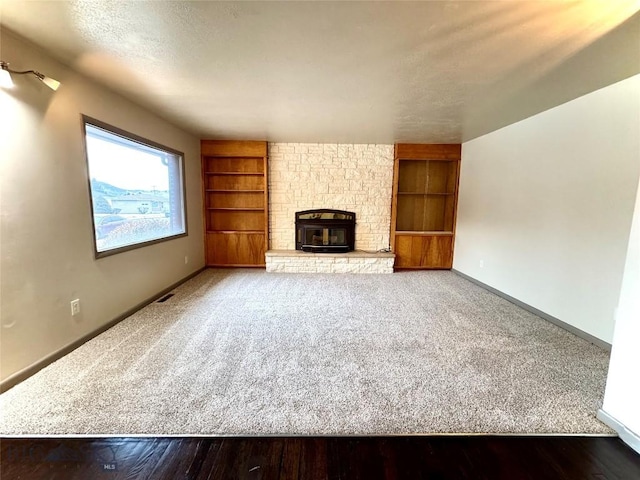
(356, 178)
(46, 231)
(545, 206)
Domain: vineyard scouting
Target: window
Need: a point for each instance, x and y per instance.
(137, 189)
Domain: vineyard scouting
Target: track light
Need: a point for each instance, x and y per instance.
(52, 83)
(7, 82)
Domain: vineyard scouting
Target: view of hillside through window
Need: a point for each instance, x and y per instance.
(136, 190)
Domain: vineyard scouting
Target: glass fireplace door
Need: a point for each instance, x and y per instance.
(324, 236)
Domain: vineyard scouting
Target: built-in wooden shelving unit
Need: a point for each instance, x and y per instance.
(236, 221)
(425, 196)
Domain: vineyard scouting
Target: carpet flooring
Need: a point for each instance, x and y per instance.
(245, 352)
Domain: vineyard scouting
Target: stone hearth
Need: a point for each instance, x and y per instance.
(296, 261)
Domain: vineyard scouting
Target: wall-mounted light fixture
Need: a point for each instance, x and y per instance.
(7, 82)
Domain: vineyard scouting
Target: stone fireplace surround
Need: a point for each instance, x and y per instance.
(352, 177)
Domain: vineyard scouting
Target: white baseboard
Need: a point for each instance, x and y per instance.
(626, 435)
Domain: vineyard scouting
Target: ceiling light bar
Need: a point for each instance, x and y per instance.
(7, 82)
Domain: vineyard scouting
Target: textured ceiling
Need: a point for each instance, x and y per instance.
(355, 72)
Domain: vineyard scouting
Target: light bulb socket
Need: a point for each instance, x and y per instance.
(48, 81)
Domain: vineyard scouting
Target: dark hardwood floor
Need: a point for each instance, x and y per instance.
(367, 458)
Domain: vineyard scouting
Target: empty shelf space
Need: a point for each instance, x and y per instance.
(425, 193)
(425, 233)
(228, 190)
(234, 173)
(237, 209)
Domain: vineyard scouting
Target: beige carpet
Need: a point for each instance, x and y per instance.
(247, 352)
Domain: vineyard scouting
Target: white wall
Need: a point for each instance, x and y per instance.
(622, 396)
(356, 178)
(546, 205)
(46, 227)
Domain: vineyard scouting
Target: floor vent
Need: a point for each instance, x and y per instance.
(165, 298)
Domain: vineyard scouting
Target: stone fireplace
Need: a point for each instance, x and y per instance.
(353, 178)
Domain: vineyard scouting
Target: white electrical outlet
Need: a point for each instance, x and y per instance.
(481, 263)
(75, 307)
(186, 259)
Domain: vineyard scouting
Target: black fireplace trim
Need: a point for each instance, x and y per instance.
(348, 224)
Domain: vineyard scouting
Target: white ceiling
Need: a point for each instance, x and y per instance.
(354, 72)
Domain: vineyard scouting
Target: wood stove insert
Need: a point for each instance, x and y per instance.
(325, 231)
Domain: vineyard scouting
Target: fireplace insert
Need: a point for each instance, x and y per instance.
(325, 231)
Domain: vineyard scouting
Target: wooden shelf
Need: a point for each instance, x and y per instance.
(424, 233)
(423, 208)
(219, 190)
(425, 193)
(233, 148)
(234, 175)
(260, 174)
(237, 209)
(428, 151)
